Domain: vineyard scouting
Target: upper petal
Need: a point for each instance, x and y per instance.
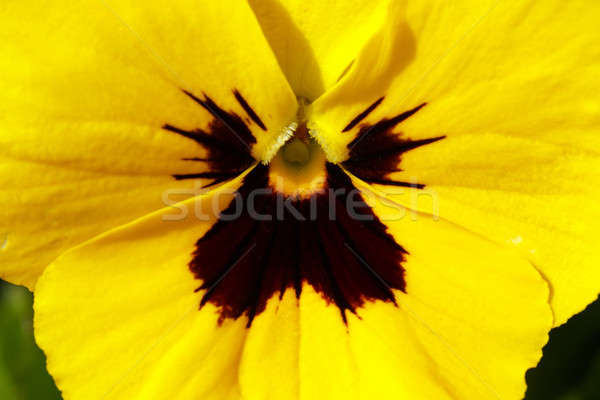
(87, 90)
(513, 88)
(316, 41)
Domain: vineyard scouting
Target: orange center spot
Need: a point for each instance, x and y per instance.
(298, 169)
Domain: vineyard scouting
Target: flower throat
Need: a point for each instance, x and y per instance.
(300, 230)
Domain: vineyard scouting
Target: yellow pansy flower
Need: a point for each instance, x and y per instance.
(417, 180)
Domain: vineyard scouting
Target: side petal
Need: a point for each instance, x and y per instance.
(472, 320)
(126, 303)
(104, 108)
(316, 41)
(513, 89)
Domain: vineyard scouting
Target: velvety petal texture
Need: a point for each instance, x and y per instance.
(512, 87)
(86, 92)
(473, 319)
(144, 296)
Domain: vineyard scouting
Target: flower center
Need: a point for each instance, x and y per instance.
(298, 169)
(299, 219)
(296, 153)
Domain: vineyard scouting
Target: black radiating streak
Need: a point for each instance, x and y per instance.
(384, 125)
(198, 159)
(363, 115)
(249, 110)
(376, 151)
(227, 139)
(391, 149)
(232, 122)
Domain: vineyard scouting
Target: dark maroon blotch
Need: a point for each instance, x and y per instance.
(345, 254)
(347, 258)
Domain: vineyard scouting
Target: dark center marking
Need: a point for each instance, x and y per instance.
(376, 151)
(345, 253)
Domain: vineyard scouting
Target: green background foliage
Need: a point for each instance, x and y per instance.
(569, 370)
(22, 365)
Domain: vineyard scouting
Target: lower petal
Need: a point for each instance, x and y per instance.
(472, 320)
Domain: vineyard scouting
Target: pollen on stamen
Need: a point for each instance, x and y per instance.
(286, 134)
(332, 156)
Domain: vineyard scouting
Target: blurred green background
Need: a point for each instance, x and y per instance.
(569, 370)
(23, 373)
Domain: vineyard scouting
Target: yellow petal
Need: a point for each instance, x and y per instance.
(512, 86)
(140, 322)
(316, 41)
(86, 90)
(126, 304)
(472, 319)
(327, 365)
(269, 364)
